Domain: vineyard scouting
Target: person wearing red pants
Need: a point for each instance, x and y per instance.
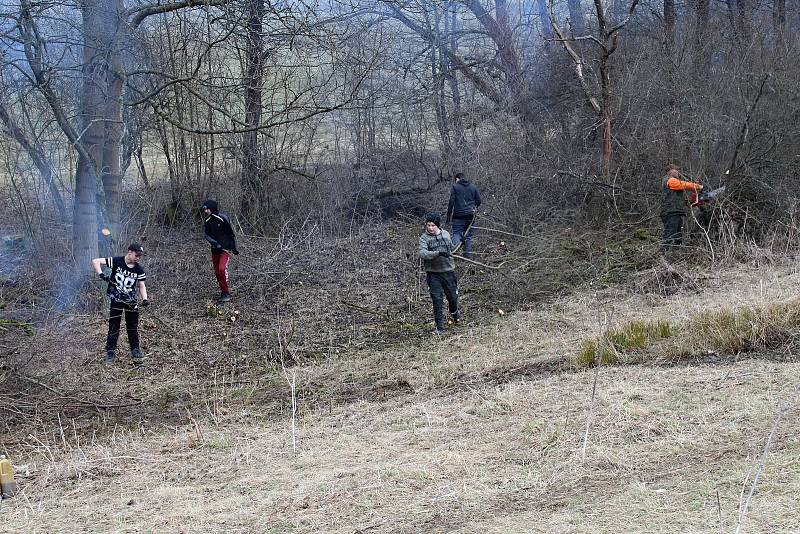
(219, 234)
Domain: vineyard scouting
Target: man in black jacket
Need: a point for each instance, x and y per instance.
(219, 234)
(464, 201)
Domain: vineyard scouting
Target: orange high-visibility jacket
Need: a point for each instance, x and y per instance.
(674, 201)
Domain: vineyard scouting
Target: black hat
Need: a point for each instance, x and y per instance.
(136, 247)
(210, 205)
(433, 217)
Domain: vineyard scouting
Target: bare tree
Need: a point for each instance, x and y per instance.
(606, 40)
(252, 177)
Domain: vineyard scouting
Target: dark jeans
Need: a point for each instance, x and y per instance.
(673, 231)
(443, 285)
(459, 227)
(131, 324)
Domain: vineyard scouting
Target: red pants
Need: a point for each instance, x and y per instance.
(220, 262)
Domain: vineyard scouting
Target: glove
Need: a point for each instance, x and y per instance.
(444, 253)
(235, 252)
(104, 277)
(145, 303)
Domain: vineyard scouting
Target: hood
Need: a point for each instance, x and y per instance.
(464, 182)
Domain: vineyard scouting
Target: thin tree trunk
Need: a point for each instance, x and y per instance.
(438, 63)
(37, 156)
(779, 24)
(605, 89)
(669, 25)
(701, 18)
(744, 16)
(544, 20)
(576, 16)
(173, 177)
(252, 177)
(452, 77)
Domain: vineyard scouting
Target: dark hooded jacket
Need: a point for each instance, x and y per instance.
(218, 230)
(464, 200)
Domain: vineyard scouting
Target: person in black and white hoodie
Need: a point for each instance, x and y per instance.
(127, 276)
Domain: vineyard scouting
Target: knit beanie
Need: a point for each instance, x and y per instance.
(211, 205)
(434, 218)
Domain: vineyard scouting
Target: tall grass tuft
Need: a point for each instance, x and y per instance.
(746, 329)
(630, 337)
(726, 331)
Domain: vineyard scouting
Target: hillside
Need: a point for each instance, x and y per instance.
(479, 430)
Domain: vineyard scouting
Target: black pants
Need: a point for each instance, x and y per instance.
(443, 285)
(131, 324)
(673, 231)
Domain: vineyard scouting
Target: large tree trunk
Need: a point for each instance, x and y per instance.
(100, 121)
(100, 22)
(252, 178)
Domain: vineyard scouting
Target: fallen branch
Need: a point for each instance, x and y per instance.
(78, 402)
(492, 267)
(503, 232)
(384, 314)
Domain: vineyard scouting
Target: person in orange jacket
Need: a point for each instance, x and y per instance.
(675, 205)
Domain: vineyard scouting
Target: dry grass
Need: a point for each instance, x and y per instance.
(745, 329)
(496, 458)
(480, 430)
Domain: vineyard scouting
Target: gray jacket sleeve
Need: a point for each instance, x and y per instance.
(424, 253)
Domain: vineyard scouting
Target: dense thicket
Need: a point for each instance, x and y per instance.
(329, 111)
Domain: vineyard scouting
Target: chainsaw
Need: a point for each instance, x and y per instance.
(709, 196)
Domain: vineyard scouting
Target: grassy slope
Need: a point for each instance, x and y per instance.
(479, 431)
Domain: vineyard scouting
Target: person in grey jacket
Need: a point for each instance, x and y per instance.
(436, 251)
(464, 202)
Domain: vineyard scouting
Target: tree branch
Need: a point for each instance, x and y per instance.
(486, 88)
(141, 13)
(576, 58)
